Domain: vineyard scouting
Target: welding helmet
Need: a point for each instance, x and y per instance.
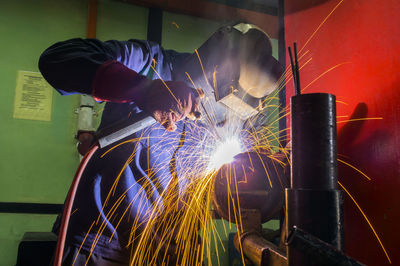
(236, 70)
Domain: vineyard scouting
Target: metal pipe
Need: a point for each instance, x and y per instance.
(313, 202)
(313, 134)
(260, 251)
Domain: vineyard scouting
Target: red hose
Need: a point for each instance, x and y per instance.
(68, 205)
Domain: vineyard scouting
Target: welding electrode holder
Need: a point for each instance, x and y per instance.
(313, 202)
(124, 128)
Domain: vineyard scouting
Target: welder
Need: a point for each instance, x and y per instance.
(137, 76)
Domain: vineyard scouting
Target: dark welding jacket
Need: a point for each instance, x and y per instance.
(121, 188)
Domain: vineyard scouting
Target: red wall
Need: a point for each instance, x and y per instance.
(365, 35)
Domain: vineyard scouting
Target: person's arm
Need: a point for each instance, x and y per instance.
(109, 72)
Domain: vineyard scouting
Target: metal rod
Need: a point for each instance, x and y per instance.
(293, 70)
(296, 67)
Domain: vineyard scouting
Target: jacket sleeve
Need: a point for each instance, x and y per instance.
(72, 66)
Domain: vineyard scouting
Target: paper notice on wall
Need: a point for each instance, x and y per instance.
(33, 97)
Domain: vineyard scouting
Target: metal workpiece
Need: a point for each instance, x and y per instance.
(245, 184)
(252, 187)
(253, 245)
(260, 251)
(318, 212)
(313, 202)
(317, 250)
(313, 134)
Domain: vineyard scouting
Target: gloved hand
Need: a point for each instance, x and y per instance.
(168, 102)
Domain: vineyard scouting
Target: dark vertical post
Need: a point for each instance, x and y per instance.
(154, 25)
(313, 202)
(282, 61)
(313, 133)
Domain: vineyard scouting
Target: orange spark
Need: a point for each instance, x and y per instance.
(366, 219)
(360, 119)
(355, 168)
(320, 25)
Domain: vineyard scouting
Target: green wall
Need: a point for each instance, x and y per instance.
(38, 159)
(185, 33)
(121, 21)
